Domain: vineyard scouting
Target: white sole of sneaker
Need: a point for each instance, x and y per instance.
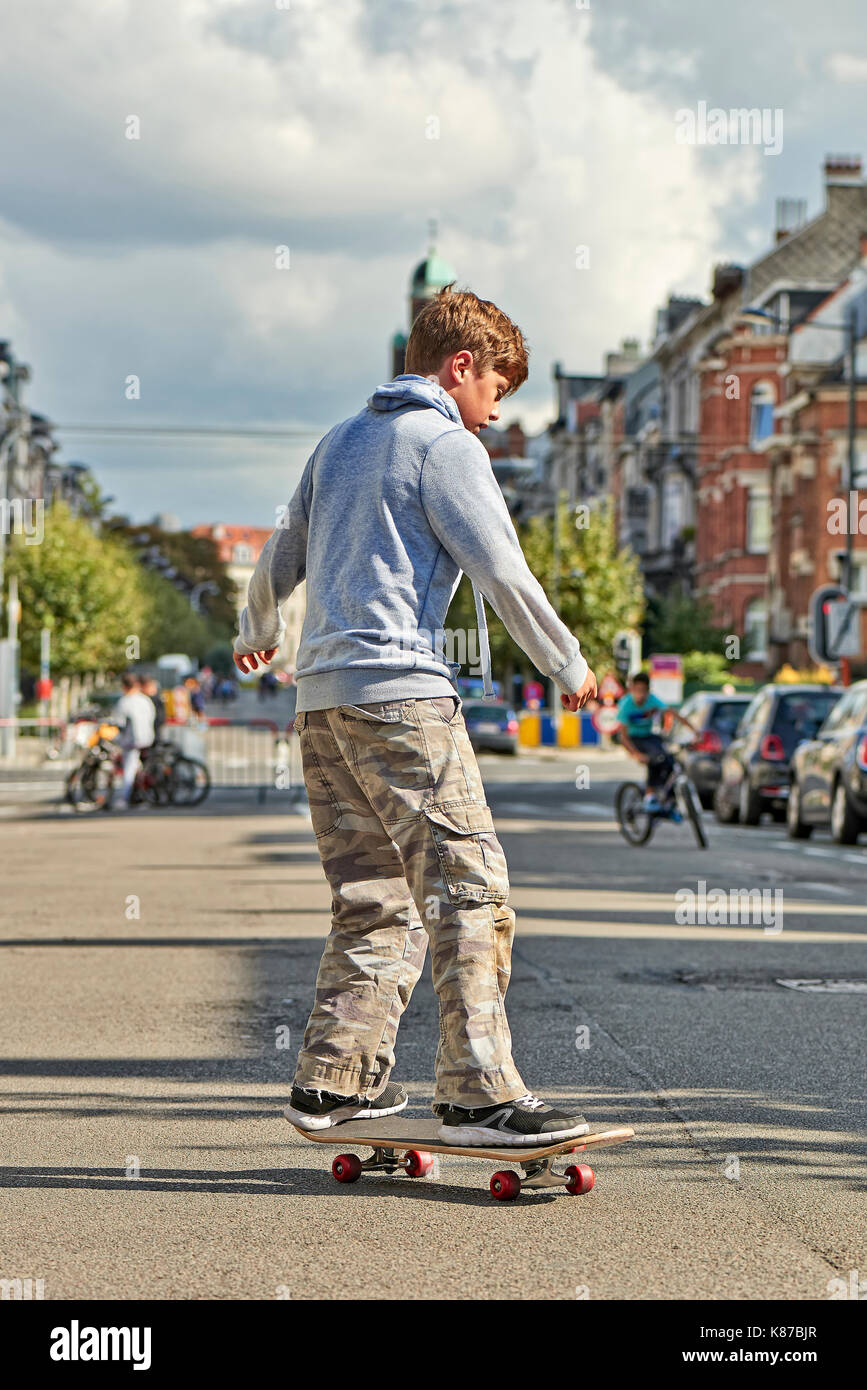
(466, 1135)
(301, 1120)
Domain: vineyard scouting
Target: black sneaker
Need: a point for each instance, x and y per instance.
(515, 1122)
(320, 1109)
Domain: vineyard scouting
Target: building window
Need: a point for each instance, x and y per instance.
(242, 555)
(762, 403)
(758, 523)
(859, 577)
(756, 630)
(672, 511)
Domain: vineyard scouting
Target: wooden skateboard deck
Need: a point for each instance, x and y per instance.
(419, 1139)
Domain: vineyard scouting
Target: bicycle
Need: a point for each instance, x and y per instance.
(165, 776)
(677, 801)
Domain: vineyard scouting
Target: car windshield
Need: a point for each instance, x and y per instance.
(492, 712)
(726, 715)
(802, 713)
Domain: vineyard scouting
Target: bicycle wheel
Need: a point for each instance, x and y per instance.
(190, 782)
(98, 784)
(687, 798)
(75, 793)
(154, 781)
(636, 824)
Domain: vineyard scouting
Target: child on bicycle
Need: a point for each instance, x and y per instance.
(636, 711)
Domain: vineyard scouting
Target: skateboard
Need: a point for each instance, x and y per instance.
(419, 1140)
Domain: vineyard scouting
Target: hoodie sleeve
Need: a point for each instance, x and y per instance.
(467, 512)
(280, 569)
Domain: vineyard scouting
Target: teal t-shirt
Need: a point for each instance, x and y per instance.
(638, 719)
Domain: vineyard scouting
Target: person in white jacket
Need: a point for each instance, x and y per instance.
(134, 714)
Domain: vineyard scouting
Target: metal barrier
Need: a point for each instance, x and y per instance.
(33, 742)
(257, 753)
(254, 753)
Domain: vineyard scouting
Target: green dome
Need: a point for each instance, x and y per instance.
(430, 275)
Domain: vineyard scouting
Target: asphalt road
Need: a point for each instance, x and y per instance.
(152, 964)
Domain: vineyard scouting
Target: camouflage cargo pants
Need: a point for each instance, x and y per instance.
(409, 849)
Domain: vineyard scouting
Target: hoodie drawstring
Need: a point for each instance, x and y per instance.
(484, 644)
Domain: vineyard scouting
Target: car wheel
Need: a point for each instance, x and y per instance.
(845, 825)
(795, 827)
(749, 806)
(725, 812)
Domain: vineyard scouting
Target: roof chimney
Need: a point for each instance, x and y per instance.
(842, 169)
(791, 217)
(726, 279)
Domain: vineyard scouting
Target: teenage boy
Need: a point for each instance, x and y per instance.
(392, 506)
(636, 711)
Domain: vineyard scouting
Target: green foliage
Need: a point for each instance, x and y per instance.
(679, 623)
(195, 558)
(85, 588)
(169, 624)
(92, 593)
(710, 668)
(220, 658)
(599, 589)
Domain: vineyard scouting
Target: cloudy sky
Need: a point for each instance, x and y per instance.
(307, 124)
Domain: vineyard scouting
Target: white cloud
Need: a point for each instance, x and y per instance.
(846, 67)
(307, 127)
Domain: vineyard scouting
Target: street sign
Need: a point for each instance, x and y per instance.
(833, 625)
(605, 719)
(844, 629)
(610, 688)
(666, 678)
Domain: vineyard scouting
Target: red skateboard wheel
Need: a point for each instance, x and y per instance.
(346, 1167)
(581, 1178)
(417, 1163)
(505, 1186)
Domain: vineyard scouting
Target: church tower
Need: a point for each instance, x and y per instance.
(430, 275)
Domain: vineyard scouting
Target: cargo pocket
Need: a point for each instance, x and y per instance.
(471, 858)
(325, 812)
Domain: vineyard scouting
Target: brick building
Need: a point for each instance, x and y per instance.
(808, 469)
(745, 375)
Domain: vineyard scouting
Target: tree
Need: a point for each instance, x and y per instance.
(169, 624)
(598, 590)
(83, 587)
(678, 623)
(595, 583)
(196, 562)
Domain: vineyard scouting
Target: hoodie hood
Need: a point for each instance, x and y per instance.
(417, 391)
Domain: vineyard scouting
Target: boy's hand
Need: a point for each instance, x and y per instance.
(580, 697)
(263, 657)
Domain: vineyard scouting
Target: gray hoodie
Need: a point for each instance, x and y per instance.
(393, 504)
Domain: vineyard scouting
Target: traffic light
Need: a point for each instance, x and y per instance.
(833, 626)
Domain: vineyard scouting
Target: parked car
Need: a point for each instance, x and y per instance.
(829, 773)
(491, 724)
(755, 766)
(716, 716)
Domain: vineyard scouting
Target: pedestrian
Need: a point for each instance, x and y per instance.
(196, 695)
(392, 505)
(152, 690)
(135, 718)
